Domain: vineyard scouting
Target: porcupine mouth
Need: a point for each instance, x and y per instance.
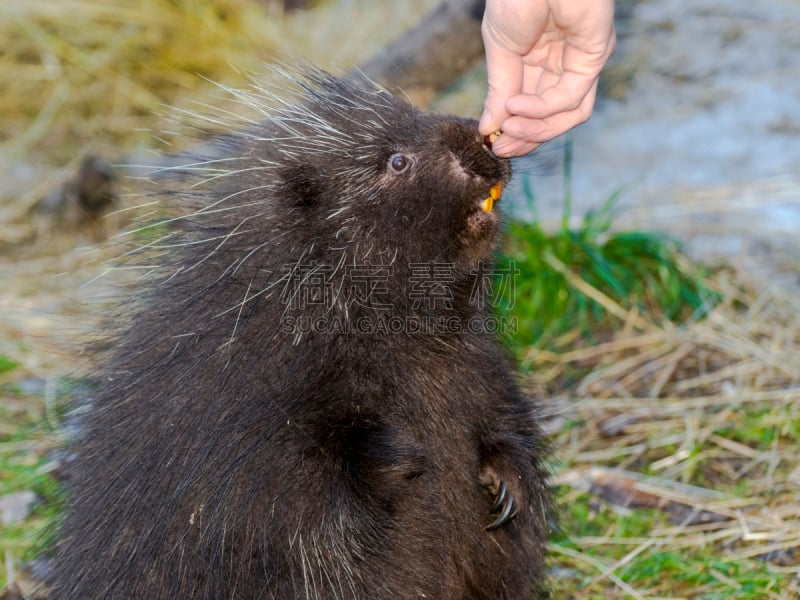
(483, 209)
(482, 219)
(487, 204)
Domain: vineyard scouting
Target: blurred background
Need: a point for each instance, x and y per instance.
(657, 244)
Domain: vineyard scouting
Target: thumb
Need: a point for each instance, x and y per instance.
(494, 113)
(504, 72)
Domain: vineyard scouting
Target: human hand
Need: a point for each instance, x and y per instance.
(543, 59)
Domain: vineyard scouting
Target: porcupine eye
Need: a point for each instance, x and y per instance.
(399, 163)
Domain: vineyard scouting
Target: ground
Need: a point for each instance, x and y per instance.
(699, 131)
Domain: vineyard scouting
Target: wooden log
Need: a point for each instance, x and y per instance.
(444, 45)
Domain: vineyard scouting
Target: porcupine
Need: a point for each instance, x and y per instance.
(234, 452)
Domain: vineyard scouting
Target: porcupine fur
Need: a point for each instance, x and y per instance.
(232, 454)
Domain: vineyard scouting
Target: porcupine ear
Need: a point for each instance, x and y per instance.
(301, 186)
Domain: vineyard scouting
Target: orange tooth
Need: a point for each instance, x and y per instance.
(496, 190)
(487, 204)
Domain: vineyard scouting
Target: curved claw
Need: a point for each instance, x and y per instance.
(509, 510)
(502, 490)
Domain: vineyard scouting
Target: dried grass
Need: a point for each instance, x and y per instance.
(701, 421)
(80, 76)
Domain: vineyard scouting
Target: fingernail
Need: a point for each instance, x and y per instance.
(485, 120)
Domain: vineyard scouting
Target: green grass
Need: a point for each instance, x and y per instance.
(578, 286)
(590, 277)
(7, 364)
(24, 469)
(25, 466)
(697, 572)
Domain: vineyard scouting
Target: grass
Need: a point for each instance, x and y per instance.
(31, 498)
(676, 435)
(106, 78)
(678, 465)
(671, 393)
(614, 554)
(587, 280)
(674, 406)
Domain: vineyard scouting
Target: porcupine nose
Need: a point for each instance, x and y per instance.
(462, 138)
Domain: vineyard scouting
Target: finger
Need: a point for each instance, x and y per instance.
(564, 88)
(504, 71)
(536, 85)
(505, 80)
(509, 147)
(567, 94)
(536, 130)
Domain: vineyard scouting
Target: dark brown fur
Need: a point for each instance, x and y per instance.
(231, 454)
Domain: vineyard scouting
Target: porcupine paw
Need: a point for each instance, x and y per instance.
(504, 506)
